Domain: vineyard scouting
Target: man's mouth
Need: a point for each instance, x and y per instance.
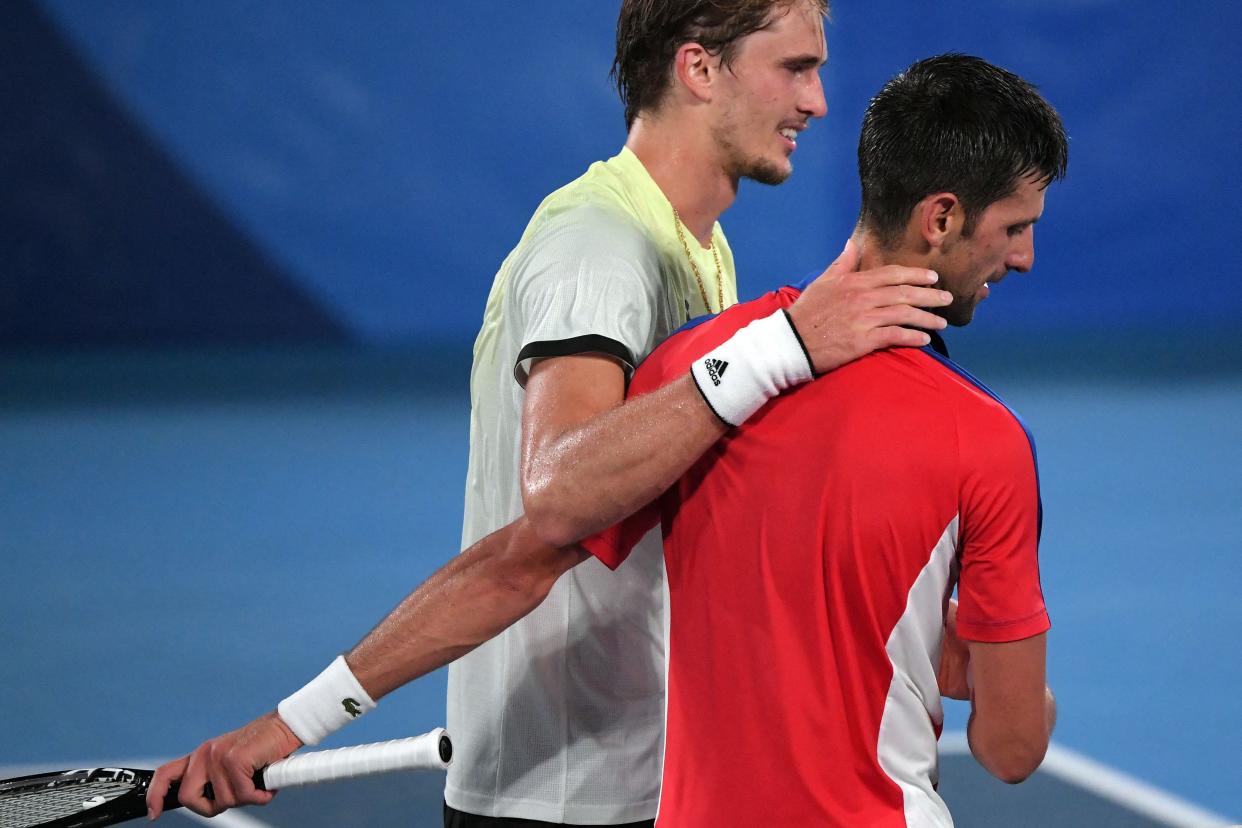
(995, 279)
(790, 134)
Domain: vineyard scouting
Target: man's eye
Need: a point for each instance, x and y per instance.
(799, 66)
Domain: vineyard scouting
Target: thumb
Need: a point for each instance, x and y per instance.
(847, 261)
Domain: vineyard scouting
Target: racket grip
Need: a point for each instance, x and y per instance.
(430, 751)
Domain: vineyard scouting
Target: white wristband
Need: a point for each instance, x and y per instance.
(328, 702)
(752, 366)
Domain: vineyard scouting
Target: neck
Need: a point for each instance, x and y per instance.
(871, 255)
(684, 163)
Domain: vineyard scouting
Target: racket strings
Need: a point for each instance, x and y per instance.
(30, 806)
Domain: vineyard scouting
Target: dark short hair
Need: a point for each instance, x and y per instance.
(649, 33)
(957, 124)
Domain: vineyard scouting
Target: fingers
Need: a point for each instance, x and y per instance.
(221, 781)
(162, 779)
(847, 313)
(256, 745)
(237, 774)
(898, 275)
(214, 781)
(847, 262)
(905, 315)
(226, 763)
(897, 337)
(193, 783)
(885, 295)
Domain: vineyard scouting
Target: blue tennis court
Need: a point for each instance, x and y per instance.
(246, 248)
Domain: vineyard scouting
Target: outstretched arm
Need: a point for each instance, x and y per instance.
(466, 602)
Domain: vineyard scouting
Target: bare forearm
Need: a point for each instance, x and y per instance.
(1050, 712)
(466, 602)
(1008, 753)
(605, 469)
(588, 461)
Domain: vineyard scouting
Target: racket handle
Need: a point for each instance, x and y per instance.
(430, 751)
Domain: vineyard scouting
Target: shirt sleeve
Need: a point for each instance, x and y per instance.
(613, 545)
(589, 282)
(999, 593)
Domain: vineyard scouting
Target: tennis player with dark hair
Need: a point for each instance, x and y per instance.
(560, 719)
(811, 553)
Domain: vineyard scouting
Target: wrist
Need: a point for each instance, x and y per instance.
(325, 704)
(287, 736)
(755, 364)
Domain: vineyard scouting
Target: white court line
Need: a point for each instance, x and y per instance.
(228, 819)
(1072, 767)
(1111, 784)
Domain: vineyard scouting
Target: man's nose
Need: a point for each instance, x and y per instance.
(1022, 256)
(813, 102)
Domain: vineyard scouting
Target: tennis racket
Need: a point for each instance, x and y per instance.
(106, 796)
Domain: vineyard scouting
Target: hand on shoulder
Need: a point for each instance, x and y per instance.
(847, 313)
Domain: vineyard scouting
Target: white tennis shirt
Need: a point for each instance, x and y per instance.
(560, 718)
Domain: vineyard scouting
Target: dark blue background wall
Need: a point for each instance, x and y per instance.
(343, 173)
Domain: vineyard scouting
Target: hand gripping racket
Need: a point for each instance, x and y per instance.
(106, 796)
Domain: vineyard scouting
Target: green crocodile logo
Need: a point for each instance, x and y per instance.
(351, 707)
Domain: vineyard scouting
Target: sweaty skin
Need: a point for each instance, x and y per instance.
(714, 125)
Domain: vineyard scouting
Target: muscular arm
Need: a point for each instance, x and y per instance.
(1012, 709)
(588, 461)
(467, 601)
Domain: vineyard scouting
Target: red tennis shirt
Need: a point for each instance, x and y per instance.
(810, 555)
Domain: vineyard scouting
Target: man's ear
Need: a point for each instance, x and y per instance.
(940, 218)
(694, 69)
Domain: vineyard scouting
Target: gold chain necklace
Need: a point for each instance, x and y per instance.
(697, 276)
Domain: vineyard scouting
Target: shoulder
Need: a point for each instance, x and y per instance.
(590, 232)
(706, 332)
(996, 449)
(698, 336)
(929, 393)
(975, 403)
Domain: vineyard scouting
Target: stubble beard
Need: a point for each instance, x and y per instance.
(956, 277)
(759, 169)
(739, 165)
(961, 312)
(764, 172)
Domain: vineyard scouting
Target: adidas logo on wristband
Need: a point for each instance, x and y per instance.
(715, 369)
(763, 359)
